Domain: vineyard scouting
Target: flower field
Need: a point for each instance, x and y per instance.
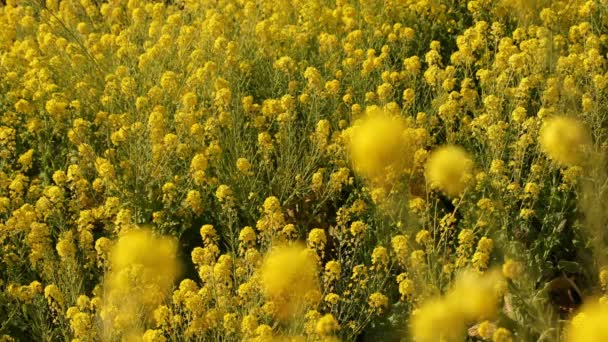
(304, 170)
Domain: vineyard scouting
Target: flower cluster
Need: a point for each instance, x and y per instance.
(244, 170)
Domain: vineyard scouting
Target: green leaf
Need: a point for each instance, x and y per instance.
(569, 267)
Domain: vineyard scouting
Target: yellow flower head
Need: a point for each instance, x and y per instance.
(502, 335)
(512, 269)
(589, 325)
(243, 165)
(380, 144)
(472, 298)
(143, 268)
(435, 322)
(449, 169)
(563, 139)
(378, 301)
(288, 273)
(326, 325)
(476, 295)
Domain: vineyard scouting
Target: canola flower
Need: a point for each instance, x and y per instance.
(473, 297)
(141, 274)
(380, 145)
(589, 324)
(239, 126)
(564, 140)
(449, 169)
(289, 277)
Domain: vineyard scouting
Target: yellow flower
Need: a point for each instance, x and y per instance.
(65, 246)
(26, 159)
(526, 213)
(406, 286)
(287, 274)
(153, 335)
(249, 324)
(476, 295)
(194, 201)
(434, 322)
(247, 236)
(332, 298)
(400, 246)
(377, 301)
(418, 259)
(502, 335)
(485, 245)
(55, 108)
(338, 179)
(449, 169)
(332, 271)
(332, 87)
(326, 325)
(417, 205)
(199, 163)
(24, 106)
(317, 180)
(143, 268)
(486, 329)
(385, 91)
(81, 324)
(223, 193)
(272, 205)
(189, 100)
(511, 269)
(379, 145)
(589, 324)
(604, 277)
(380, 256)
(564, 139)
(423, 237)
(317, 238)
(472, 298)
(230, 323)
(208, 234)
(53, 294)
(243, 165)
(285, 64)
(357, 228)
(83, 302)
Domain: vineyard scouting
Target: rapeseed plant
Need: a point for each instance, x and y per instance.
(304, 170)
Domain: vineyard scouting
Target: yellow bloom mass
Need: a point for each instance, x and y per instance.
(380, 144)
(589, 324)
(449, 169)
(473, 297)
(564, 139)
(288, 274)
(143, 268)
(302, 153)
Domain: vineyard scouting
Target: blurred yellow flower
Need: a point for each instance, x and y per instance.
(379, 144)
(472, 298)
(143, 268)
(449, 169)
(564, 139)
(589, 324)
(326, 325)
(288, 273)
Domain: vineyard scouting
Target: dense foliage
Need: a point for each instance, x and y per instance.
(303, 170)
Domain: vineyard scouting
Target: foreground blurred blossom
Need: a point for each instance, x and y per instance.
(289, 277)
(381, 145)
(589, 325)
(142, 270)
(449, 169)
(564, 139)
(472, 298)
